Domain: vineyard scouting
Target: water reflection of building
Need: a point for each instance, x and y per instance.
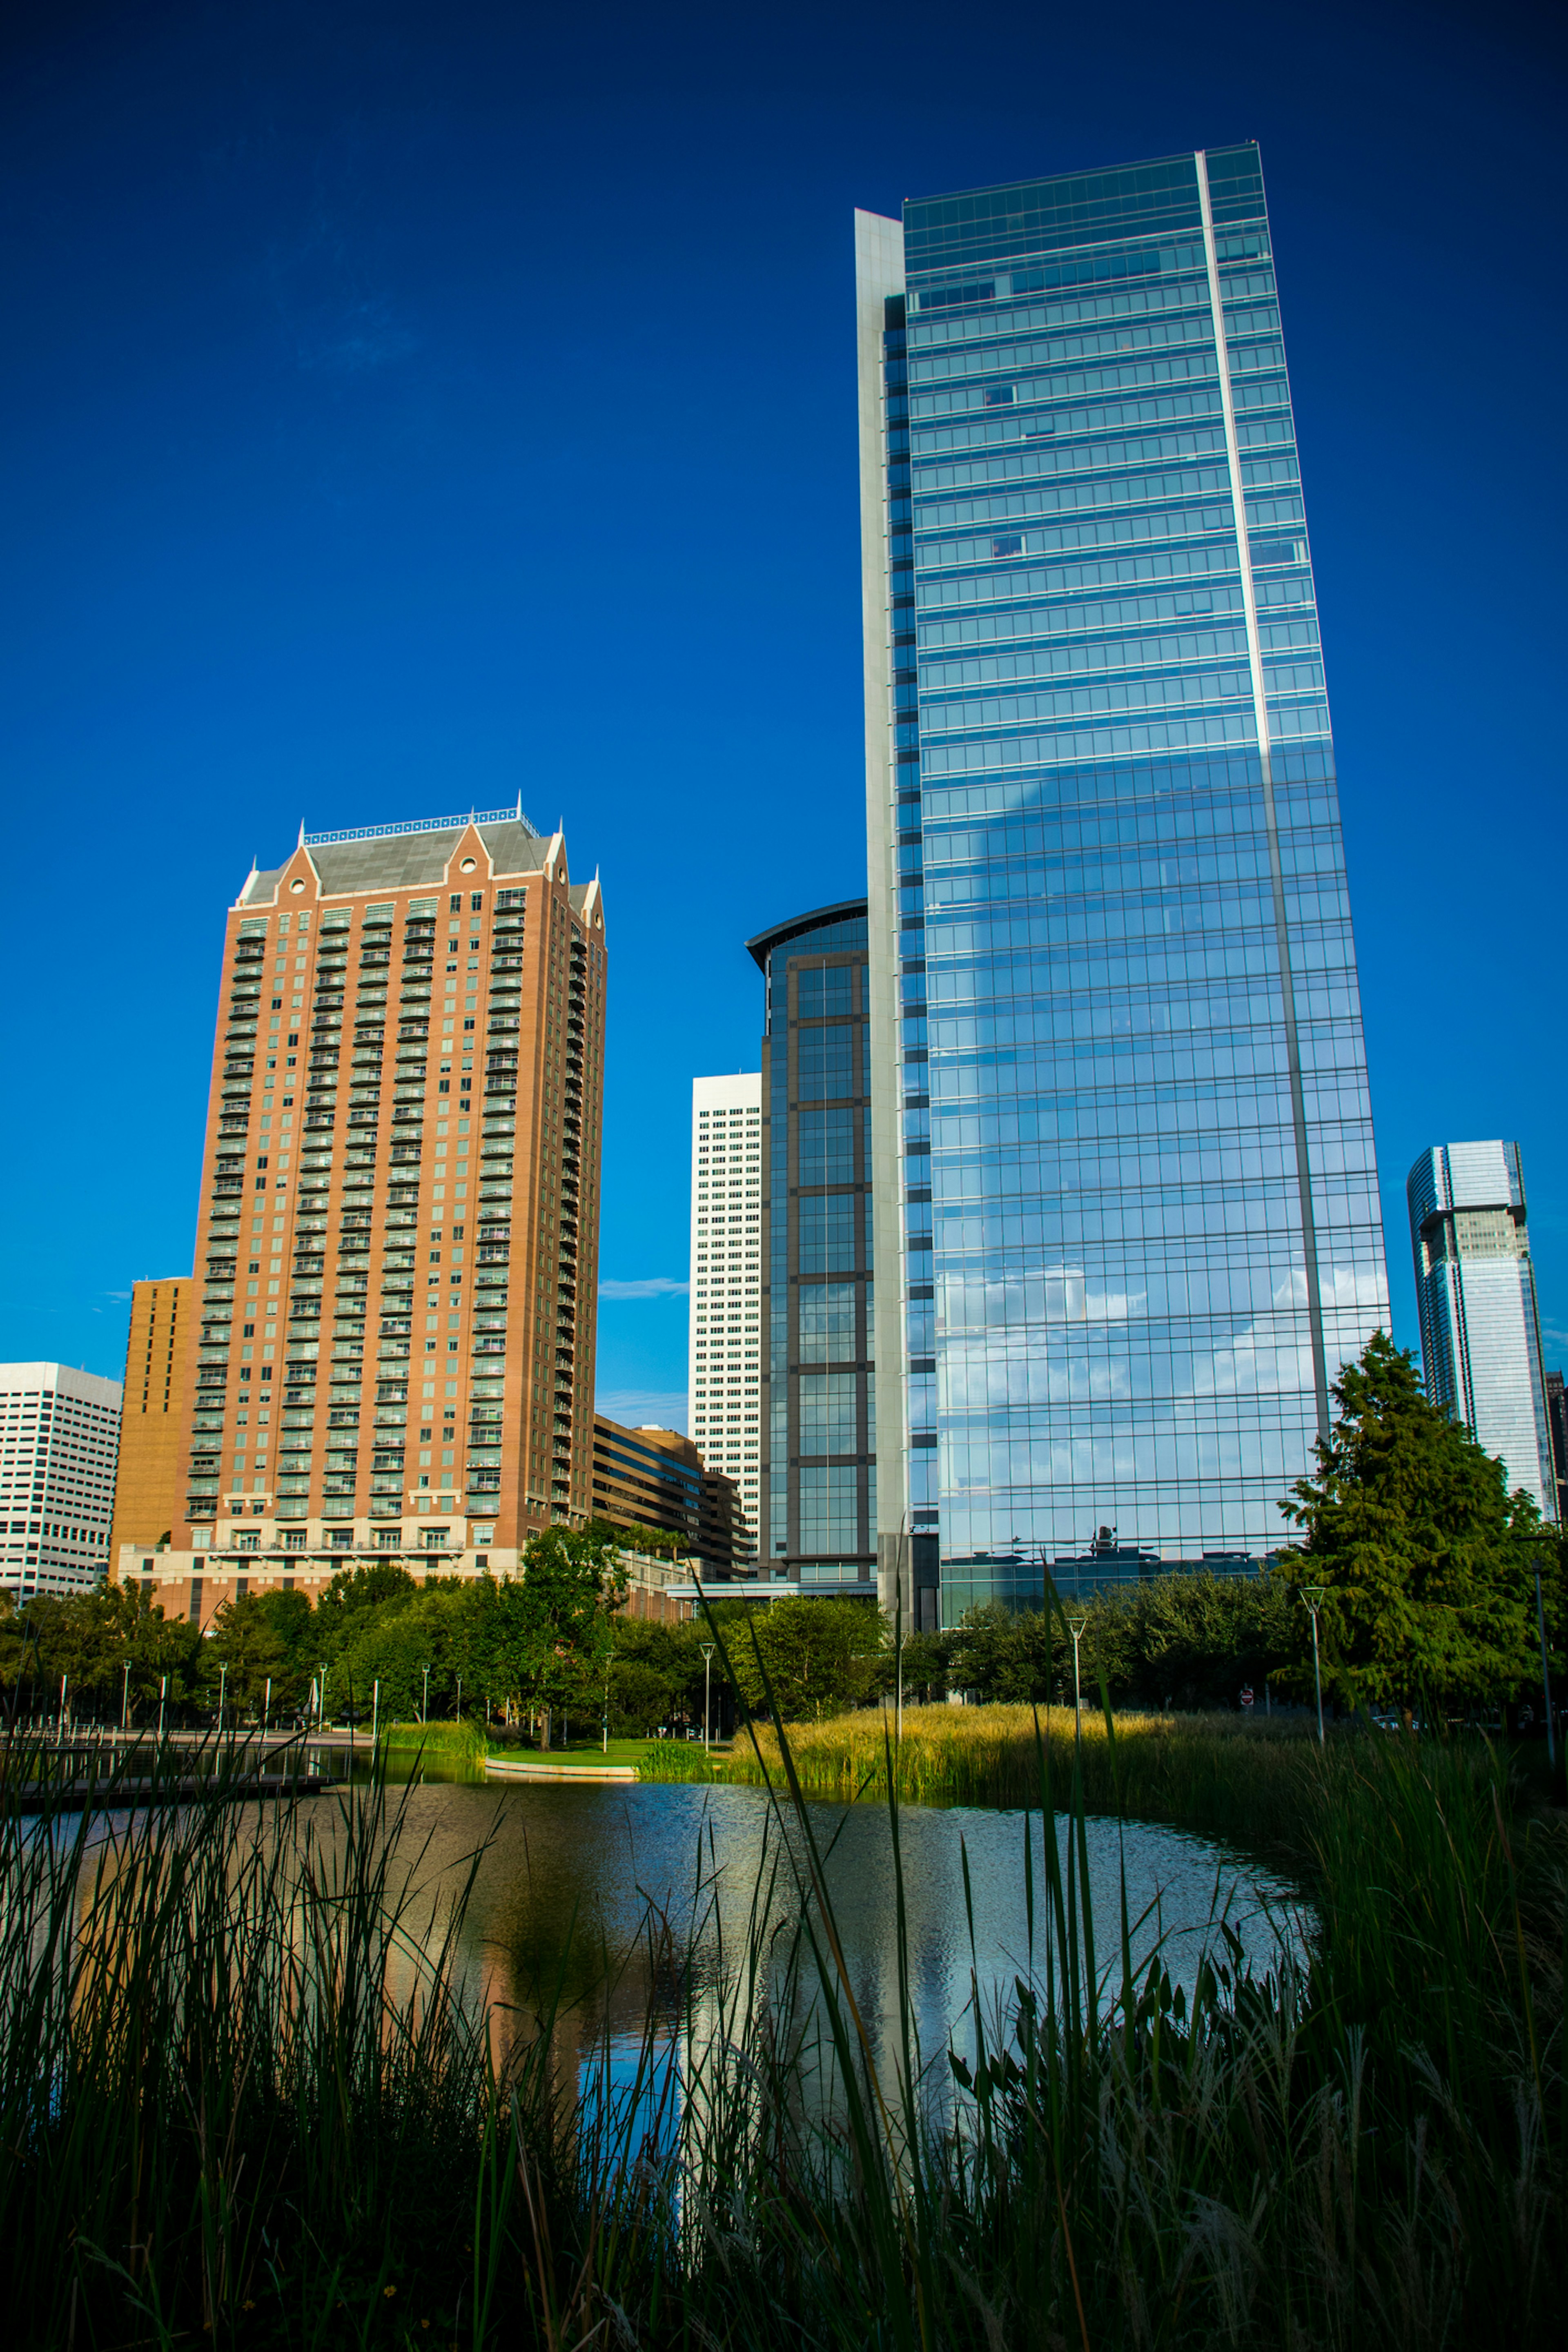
(1107, 1564)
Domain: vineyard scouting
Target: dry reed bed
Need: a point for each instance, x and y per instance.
(1258, 1780)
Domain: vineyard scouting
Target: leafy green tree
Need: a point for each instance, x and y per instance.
(92, 1638)
(247, 1637)
(382, 1584)
(392, 1645)
(818, 1657)
(657, 1543)
(1192, 1641)
(1421, 1554)
(545, 1638)
(1005, 1654)
(656, 1673)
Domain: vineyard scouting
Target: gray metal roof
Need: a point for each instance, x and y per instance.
(402, 861)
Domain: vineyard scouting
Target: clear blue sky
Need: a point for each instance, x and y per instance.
(407, 405)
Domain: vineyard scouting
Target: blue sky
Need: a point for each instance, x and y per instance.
(408, 406)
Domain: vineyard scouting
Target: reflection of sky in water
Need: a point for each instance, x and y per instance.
(574, 1875)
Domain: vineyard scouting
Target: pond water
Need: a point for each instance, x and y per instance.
(570, 1877)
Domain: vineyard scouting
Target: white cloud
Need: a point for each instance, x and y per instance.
(645, 1408)
(652, 1286)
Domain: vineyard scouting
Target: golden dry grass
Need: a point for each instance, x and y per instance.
(1252, 1780)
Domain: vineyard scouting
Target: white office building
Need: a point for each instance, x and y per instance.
(59, 1445)
(1480, 1331)
(727, 1284)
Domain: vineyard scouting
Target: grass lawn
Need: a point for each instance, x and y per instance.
(580, 1751)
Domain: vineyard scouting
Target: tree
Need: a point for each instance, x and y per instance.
(657, 1543)
(1000, 1654)
(249, 1638)
(656, 1672)
(1192, 1641)
(352, 1591)
(545, 1638)
(1421, 1554)
(817, 1657)
(91, 1638)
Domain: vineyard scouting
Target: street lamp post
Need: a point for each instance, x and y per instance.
(425, 1702)
(1312, 1601)
(1545, 1669)
(222, 1692)
(374, 1714)
(1077, 1627)
(267, 1706)
(162, 1704)
(125, 1697)
(707, 1687)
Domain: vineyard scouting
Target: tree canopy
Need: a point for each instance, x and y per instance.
(815, 1657)
(1423, 1556)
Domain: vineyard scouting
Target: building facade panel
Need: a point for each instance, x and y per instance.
(398, 1232)
(147, 1498)
(1140, 1223)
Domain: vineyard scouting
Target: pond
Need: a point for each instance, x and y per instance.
(570, 1877)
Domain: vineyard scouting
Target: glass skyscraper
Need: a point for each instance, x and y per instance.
(819, 1407)
(1481, 1326)
(1128, 1221)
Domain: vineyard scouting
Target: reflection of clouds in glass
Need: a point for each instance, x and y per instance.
(1273, 1356)
(1051, 1293)
(1062, 1336)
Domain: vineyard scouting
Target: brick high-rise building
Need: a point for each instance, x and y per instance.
(148, 1496)
(398, 1230)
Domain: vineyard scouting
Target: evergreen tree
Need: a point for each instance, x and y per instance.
(1421, 1554)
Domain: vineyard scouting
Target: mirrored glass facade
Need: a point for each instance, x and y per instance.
(1131, 1205)
(1481, 1324)
(820, 1409)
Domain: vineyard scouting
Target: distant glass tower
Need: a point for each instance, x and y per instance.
(819, 1407)
(1128, 1221)
(1480, 1330)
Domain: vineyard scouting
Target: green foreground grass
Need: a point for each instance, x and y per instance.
(240, 2104)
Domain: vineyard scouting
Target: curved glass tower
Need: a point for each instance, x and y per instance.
(1128, 1212)
(819, 1469)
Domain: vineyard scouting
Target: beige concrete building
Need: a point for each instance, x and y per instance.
(60, 1437)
